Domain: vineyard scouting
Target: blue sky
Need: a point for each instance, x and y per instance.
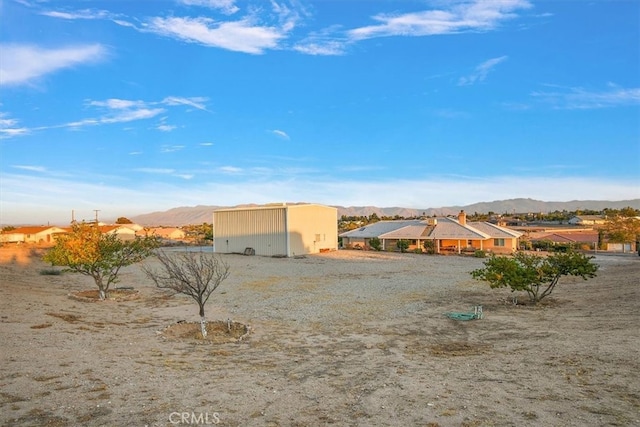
(134, 107)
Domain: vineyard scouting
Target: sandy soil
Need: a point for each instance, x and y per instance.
(345, 338)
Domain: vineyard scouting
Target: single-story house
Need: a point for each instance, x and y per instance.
(447, 235)
(587, 220)
(276, 229)
(588, 237)
(124, 231)
(38, 235)
(167, 233)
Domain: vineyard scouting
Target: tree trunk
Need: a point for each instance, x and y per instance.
(203, 326)
(102, 294)
(203, 322)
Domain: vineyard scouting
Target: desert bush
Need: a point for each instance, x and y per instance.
(536, 275)
(50, 272)
(480, 254)
(375, 243)
(429, 246)
(403, 245)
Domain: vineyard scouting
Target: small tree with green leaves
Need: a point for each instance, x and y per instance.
(375, 244)
(196, 274)
(429, 246)
(536, 275)
(86, 250)
(403, 245)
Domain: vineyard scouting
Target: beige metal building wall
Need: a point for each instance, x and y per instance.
(273, 230)
(312, 228)
(263, 229)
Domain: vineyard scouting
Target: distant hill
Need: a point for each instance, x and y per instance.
(201, 214)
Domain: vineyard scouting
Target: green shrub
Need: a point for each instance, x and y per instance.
(375, 243)
(480, 254)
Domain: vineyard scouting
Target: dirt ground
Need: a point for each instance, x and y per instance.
(345, 338)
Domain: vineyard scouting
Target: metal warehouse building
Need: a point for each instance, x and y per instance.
(276, 229)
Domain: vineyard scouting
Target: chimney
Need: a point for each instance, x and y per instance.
(462, 218)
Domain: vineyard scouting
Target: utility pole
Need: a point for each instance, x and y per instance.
(96, 211)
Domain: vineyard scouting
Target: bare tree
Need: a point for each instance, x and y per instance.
(196, 274)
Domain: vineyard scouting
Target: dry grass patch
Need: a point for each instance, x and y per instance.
(113, 295)
(67, 317)
(456, 348)
(42, 326)
(218, 332)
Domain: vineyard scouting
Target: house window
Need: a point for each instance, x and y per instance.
(498, 242)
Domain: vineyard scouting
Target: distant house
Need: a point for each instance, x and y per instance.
(123, 231)
(587, 237)
(447, 235)
(587, 220)
(166, 233)
(38, 235)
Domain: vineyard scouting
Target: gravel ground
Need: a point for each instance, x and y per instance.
(347, 338)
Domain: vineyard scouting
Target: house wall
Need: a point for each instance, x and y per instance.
(452, 245)
(392, 244)
(352, 241)
(46, 236)
(11, 238)
(510, 246)
(621, 247)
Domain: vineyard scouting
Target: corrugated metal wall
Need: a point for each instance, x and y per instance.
(264, 230)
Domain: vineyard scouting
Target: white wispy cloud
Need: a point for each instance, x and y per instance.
(577, 98)
(9, 127)
(117, 104)
(165, 127)
(184, 175)
(197, 102)
(225, 6)
(120, 117)
(230, 170)
(78, 14)
(158, 171)
(241, 36)
(282, 134)
(30, 168)
(325, 48)
(478, 15)
(165, 171)
(23, 64)
(481, 71)
(114, 110)
(171, 148)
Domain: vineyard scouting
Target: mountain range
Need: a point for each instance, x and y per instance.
(201, 214)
